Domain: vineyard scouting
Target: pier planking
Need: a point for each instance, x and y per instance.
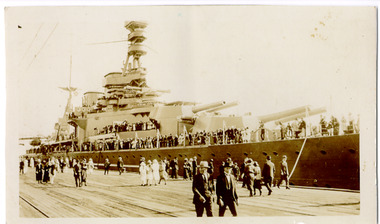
(122, 196)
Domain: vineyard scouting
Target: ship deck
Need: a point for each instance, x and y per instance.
(122, 196)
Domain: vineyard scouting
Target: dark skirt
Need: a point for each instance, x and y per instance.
(84, 175)
(46, 176)
(257, 184)
(38, 176)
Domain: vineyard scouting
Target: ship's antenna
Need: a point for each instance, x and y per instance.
(68, 108)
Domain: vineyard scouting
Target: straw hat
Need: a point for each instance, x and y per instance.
(203, 164)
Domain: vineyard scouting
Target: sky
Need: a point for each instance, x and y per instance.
(269, 58)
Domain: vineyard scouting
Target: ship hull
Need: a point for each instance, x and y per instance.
(324, 161)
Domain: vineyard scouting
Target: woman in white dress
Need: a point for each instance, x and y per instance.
(90, 166)
(156, 171)
(57, 166)
(142, 170)
(26, 164)
(67, 164)
(149, 173)
(163, 173)
(52, 169)
(32, 162)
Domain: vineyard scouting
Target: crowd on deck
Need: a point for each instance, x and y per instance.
(291, 130)
(230, 136)
(125, 126)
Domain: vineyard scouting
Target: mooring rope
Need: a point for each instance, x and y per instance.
(299, 155)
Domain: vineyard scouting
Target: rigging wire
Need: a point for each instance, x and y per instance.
(108, 42)
(119, 41)
(35, 37)
(35, 56)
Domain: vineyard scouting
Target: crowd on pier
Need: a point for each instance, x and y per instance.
(48, 168)
(221, 181)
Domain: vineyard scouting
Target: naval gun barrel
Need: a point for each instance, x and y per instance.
(208, 106)
(283, 114)
(225, 106)
(302, 115)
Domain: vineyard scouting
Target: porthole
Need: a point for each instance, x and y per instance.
(323, 152)
(352, 151)
(265, 154)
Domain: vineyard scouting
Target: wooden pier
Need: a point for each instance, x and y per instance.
(122, 196)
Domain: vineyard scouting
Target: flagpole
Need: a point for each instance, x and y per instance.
(158, 138)
(224, 132)
(185, 134)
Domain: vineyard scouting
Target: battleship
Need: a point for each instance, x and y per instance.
(127, 121)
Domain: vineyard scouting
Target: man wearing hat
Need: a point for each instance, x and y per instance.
(194, 165)
(226, 190)
(39, 171)
(211, 168)
(284, 173)
(268, 174)
(250, 176)
(120, 165)
(203, 189)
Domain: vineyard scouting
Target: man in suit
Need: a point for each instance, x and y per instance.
(107, 165)
(226, 190)
(120, 165)
(250, 176)
(268, 174)
(174, 167)
(39, 171)
(203, 189)
(284, 173)
(77, 173)
(194, 166)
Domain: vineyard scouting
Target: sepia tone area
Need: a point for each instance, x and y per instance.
(260, 112)
(122, 196)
